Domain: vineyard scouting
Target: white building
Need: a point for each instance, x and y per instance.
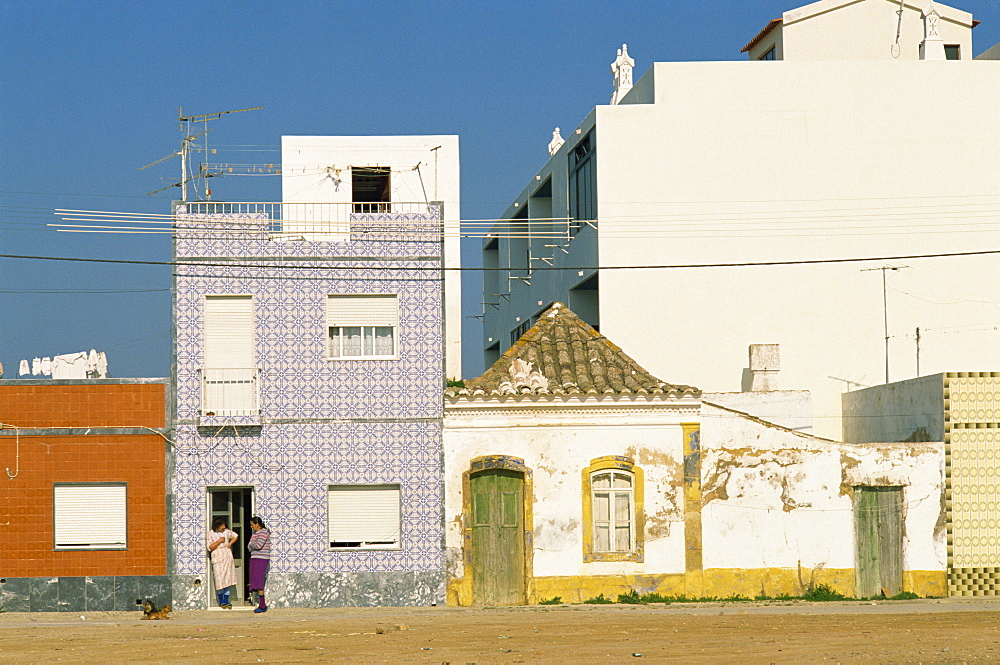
(847, 146)
(381, 174)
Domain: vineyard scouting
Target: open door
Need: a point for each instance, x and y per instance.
(497, 556)
(878, 529)
(236, 505)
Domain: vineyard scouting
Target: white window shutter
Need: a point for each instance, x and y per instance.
(90, 516)
(369, 310)
(364, 514)
(229, 332)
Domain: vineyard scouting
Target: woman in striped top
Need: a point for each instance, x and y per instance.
(260, 559)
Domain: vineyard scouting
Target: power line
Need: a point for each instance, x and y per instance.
(744, 264)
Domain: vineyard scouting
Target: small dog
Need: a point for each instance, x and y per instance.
(150, 613)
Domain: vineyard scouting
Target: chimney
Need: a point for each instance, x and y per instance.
(932, 48)
(621, 68)
(765, 361)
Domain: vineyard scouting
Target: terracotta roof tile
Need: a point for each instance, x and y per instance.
(562, 355)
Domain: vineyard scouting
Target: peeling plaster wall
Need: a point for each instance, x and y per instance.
(775, 498)
(557, 445)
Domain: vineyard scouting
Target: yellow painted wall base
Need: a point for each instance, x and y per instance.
(712, 583)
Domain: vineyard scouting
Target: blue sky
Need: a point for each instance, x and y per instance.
(90, 92)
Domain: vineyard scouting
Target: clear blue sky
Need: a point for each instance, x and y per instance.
(90, 92)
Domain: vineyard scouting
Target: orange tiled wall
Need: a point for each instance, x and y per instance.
(86, 405)
(26, 501)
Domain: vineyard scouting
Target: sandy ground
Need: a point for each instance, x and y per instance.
(929, 631)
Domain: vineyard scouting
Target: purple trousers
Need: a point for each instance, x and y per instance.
(258, 573)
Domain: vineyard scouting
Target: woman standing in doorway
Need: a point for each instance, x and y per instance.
(260, 559)
(220, 544)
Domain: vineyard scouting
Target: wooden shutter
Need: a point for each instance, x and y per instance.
(229, 332)
(372, 310)
(364, 514)
(90, 516)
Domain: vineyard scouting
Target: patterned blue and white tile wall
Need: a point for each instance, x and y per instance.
(322, 422)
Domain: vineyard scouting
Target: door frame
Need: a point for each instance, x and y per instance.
(244, 569)
(463, 587)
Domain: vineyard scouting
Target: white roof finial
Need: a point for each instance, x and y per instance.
(932, 48)
(556, 142)
(621, 69)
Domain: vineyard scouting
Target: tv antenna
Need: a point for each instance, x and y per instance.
(885, 310)
(185, 124)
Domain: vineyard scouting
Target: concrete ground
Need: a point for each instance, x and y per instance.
(922, 631)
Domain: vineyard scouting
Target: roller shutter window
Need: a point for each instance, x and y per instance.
(363, 516)
(230, 371)
(90, 516)
(362, 326)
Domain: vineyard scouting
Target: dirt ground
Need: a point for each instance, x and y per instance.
(928, 631)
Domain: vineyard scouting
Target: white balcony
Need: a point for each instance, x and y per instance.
(228, 392)
(310, 221)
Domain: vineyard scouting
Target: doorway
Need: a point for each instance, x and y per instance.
(236, 505)
(497, 547)
(878, 529)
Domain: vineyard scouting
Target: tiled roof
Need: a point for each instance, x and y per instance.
(772, 24)
(562, 355)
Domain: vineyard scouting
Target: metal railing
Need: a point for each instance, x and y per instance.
(229, 391)
(294, 219)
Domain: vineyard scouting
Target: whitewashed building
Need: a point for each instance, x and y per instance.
(844, 142)
(570, 471)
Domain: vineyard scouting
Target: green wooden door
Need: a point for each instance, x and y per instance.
(497, 537)
(878, 529)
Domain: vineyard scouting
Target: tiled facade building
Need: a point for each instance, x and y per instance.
(309, 364)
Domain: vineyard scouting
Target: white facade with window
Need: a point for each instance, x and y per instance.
(362, 326)
(90, 516)
(363, 517)
(797, 160)
(383, 174)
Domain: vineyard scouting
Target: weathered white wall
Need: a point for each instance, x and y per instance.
(788, 408)
(557, 445)
(775, 498)
(312, 165)
(866, 30)
(896, 411)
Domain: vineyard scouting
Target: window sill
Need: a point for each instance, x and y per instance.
(636, 556)
(205, 420)
(353, 358)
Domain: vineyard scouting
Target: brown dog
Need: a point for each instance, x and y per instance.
(150, 613)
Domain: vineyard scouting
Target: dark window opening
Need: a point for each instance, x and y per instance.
(771, 54)
(370, 189)
(953, 51)
(582, 183)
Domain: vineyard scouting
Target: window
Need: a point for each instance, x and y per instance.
(89, 516)
(953, 51)
(582, 183)
(519, 331)
(612, 510)
(363, 517)
(370, 189)
(229, 377)
(770, 54)
(362, 326)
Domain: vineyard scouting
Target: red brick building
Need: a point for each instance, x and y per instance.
(83, 514)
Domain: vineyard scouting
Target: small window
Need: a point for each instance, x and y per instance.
(613, 518)
(363, 517)
(770, 54)
(362, 327)
(582, 183)
(953, 51)
(614, 511)
(90, 516)
(370, 189)
(519, 331)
